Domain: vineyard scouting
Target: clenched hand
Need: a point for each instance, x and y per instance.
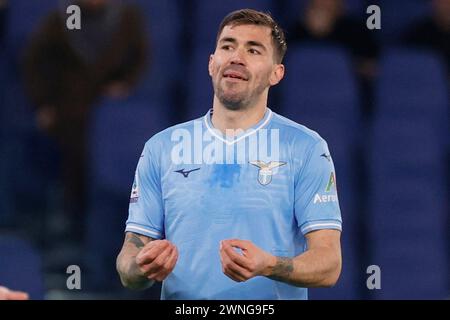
(157, 259)
(252, 262)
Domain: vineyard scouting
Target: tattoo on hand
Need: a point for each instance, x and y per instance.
(134, 239)
(283, 269)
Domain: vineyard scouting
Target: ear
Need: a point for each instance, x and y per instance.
(210, 64)
(277, 74)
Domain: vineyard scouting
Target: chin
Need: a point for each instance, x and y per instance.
(233, 106)
(233, 103)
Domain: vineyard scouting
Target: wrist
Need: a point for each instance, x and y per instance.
(270, 265)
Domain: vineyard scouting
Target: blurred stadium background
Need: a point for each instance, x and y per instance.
(387, 128)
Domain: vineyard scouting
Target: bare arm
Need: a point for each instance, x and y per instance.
(130, 274)
(319, 266)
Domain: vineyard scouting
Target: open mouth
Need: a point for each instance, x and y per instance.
(235, 75)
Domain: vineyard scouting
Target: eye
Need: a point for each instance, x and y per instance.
(254, 51)
(226, 47)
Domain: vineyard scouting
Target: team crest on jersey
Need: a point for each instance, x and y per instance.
(265, 170)
(134, 190)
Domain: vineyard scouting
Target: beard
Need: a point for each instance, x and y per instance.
(236, 100)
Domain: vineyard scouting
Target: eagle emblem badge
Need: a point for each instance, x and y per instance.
(265, 170)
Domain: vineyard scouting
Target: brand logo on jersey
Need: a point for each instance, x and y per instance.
(325, 198)
(265, 170)
(331, 183)
(326, 156)
(331, 186)
(134, 190)
(186, 173)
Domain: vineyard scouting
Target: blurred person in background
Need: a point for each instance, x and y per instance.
(326, 22)
(433, 32)
(66, 71)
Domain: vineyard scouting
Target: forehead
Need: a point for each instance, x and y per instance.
(248, 32)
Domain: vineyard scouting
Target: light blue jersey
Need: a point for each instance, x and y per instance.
(197, 194)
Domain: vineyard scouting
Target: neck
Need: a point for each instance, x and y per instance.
(225, 119)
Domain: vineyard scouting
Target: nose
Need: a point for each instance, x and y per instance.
(238, 57)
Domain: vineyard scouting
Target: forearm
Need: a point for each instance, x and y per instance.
(129, 272)
(130, 275)
(316, 267)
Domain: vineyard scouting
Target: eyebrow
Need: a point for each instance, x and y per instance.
(250, 43)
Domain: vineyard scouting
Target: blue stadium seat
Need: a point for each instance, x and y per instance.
(164, 25)
(208, 15)
(398, 16)
(200, 90)
(26, 181)
(319, 83)
(6, 216)
(408, 78)
(408, 207)
(319, 92)
(119, 130)
(408, 168)
(23, 18)
(20, 268)
(16, 116)
(5, 210)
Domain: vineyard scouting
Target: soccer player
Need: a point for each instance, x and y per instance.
(213, 214)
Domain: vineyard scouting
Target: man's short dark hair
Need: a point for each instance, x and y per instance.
(250, 16)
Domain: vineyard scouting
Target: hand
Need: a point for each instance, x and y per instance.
(6, 294)
(252, 262)
(157, 259)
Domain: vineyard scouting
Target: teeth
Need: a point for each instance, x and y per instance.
(234, 77)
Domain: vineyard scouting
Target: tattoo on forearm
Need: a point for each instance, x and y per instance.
(134, 239)
(283, 269)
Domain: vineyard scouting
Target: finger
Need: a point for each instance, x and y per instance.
(236, 257)
(170, 263)
(156, 264)
(167, 269)
(155, 245)
(161, 260)
(242, 244)
(150, 252)
(230, 273)
(232, 268)
(233, 276)
(161, 273)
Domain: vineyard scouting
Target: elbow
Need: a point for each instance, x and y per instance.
(333, 271)
(330, 281)
(333, 275)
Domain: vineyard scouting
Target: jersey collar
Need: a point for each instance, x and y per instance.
(229, 141)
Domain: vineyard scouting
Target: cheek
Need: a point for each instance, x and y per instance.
(214, 70)
(263, 76)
